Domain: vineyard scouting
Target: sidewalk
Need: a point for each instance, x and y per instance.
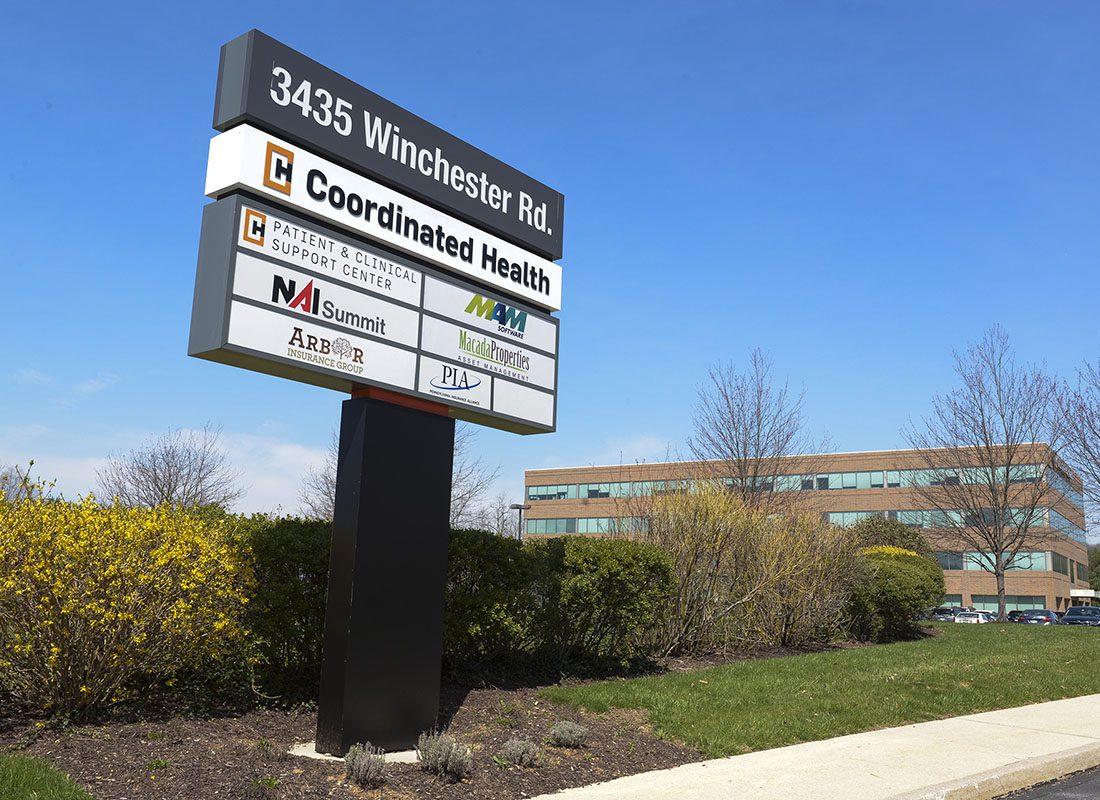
(965, 758)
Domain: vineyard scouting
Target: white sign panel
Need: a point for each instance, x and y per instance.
(247, 158)
(359, 358)
(316, 300)
(513, 399)
(276, 236)
(456, 383)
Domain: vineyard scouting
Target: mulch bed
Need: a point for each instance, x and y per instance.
(164, 756)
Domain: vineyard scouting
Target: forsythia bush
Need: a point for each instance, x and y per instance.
(744, 578)
(94, 597)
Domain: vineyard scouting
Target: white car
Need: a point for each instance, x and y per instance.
(974, 617)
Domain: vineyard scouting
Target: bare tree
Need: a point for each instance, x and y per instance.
(317, 495)
(983, 474)
(181, 467)
(497, 516)
(750, 430)
(471, 481)
(16, 483)
(1080, 409)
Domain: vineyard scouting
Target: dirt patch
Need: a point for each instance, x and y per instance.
(244, 756)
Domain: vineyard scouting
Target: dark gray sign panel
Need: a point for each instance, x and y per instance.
(288, 296)
(274, 87)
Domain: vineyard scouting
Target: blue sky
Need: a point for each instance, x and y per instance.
(856, 187)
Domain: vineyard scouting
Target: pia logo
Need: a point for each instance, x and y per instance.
(278, 168)
(455, 379)
(255, 226)
(493, 311)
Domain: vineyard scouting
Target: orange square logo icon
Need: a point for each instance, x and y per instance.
(255, 226)
(278, 168)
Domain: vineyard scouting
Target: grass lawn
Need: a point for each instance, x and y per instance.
(755, 705)
(25, 778)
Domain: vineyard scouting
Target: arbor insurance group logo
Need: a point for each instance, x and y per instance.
(278, 168)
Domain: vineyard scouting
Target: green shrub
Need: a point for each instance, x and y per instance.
(872, 531)
(553, 603)
(488, 607)
(893, 587)
(289, 558)
(599, 598)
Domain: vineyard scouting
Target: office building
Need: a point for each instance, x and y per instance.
(1049, 572)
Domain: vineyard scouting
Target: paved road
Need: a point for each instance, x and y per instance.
(1083, 786)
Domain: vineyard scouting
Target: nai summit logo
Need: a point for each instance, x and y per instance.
(510, 320)
(307, 300)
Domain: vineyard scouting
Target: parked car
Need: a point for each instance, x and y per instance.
(943, 614)
(1016, 615)
(1040, 616)
(974, 617)
(1082, 615)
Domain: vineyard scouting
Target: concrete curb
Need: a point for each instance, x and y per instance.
(1012, 778)
(973, 757)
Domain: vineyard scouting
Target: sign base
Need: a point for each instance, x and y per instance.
(383, 642)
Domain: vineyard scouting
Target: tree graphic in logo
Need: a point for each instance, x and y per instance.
(341, 347)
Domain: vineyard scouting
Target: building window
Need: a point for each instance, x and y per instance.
(1029, 561)
(1013, 602)
(1059, 563)
(949, 560)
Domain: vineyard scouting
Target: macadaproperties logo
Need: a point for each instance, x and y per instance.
(489, 351)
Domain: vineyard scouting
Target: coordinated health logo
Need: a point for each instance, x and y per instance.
(278, 168)
(509, 320)
(255, 227)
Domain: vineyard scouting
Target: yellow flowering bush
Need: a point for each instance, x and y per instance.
(889, 551)
(94, 597)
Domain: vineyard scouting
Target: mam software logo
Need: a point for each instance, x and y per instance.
(278, 168)
(511, 320)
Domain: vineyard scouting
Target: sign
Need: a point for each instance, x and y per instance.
(264, 82)
(247, 158)
(286, 296)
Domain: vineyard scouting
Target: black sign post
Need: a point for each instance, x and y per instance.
(384, 618)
